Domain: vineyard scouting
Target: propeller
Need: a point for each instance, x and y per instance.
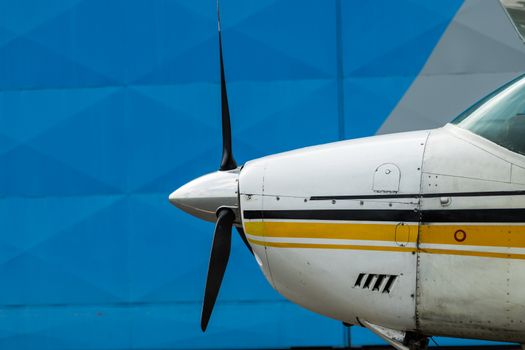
(244, 239)
(220, 251)
(227, 162)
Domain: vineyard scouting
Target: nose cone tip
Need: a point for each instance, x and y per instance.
(182, 198)
(202, 197)
(174, 197)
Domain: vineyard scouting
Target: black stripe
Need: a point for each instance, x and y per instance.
(474, 215)
(371, 196)
(359, 215)
(457, 215)
(424, 195)
(474, 194)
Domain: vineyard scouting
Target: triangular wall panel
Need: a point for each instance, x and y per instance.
(108, 106)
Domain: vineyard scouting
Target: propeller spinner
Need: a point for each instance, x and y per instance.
(214, 197)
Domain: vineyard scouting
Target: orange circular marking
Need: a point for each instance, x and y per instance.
(460, 235)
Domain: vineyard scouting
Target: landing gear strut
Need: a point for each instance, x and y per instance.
(400, 340)
(415, 341)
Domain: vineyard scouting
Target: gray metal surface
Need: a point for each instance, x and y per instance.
(479, 51)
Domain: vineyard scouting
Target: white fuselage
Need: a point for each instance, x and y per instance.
(421, 231)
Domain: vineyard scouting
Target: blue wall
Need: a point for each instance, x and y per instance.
(106, 106)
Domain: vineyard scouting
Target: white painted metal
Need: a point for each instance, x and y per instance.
(443, 287)
(203, 196)
(344, 167)
(322, 279)
(465, 296)
(456, 295)
(251, 198)
(387, 178)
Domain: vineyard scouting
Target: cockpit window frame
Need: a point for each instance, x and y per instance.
(467, 112)
(507, 6)
(478, 125)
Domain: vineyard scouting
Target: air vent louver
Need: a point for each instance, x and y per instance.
(375, 282)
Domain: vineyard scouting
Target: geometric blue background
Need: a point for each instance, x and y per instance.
(106, 106)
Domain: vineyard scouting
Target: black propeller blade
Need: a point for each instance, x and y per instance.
(220, 253)
(240, 230)
(227, 162)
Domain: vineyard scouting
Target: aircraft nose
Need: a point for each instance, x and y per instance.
(177, 197)
(203, 196)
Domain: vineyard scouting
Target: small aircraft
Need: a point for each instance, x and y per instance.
(411, 234)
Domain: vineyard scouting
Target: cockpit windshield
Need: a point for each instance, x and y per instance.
(499, 117)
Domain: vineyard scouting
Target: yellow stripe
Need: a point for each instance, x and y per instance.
(478, 235)
(387, 249)
(330, 246)
(369, 232)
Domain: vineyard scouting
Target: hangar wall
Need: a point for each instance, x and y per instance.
(107, 106)
(479, 51)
